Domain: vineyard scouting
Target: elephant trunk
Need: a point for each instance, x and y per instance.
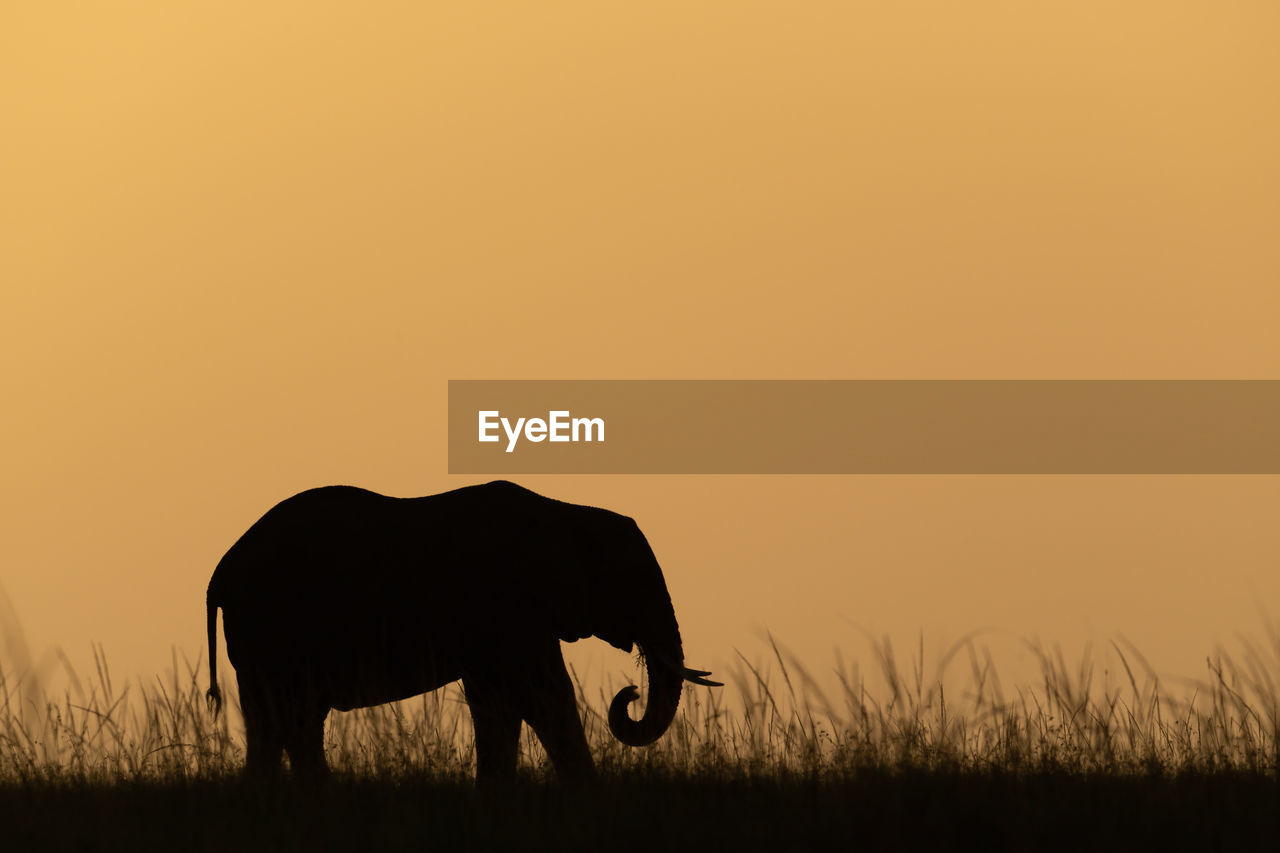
(664, 660)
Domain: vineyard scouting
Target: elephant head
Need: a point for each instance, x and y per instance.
(639, 615)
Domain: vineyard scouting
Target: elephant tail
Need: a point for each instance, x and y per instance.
(214, 695)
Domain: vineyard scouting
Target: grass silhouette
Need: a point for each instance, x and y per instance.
(770, 761)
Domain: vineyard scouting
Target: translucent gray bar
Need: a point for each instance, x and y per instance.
(870, 427)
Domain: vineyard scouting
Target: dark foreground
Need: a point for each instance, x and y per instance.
(874, 811)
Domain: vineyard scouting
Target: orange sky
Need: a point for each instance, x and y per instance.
(243, 248)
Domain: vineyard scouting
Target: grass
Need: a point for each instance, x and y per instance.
(771, 761)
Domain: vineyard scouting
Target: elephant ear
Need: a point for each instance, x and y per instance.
(570, 609)
(578, 570)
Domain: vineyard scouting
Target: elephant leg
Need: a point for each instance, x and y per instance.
(551, 707)
(497, 727)
(264, 738)
(304, 742)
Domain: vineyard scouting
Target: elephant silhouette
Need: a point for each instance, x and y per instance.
(343, 598)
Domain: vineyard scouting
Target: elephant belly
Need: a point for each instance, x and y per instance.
(362, 686)
(344, 665)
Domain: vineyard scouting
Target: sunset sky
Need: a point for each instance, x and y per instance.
(244, 246)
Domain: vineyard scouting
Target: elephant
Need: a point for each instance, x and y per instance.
(344, 598)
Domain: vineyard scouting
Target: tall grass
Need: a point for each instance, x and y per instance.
(772, 721)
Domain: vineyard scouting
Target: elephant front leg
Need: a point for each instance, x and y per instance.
(551, 707)
(497, 728)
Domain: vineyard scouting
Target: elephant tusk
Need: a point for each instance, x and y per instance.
(696, 676)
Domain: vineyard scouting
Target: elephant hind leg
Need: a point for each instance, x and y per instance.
(264, 735)
(304, 742)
